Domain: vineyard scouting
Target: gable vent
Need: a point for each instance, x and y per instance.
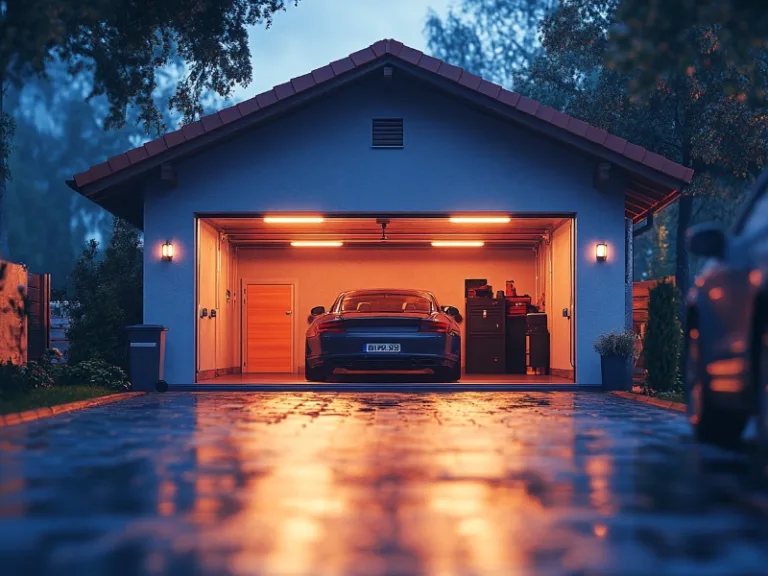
(387, 133)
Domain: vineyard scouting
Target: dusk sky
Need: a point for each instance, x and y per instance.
(320, 31)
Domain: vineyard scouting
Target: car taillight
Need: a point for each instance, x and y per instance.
(330, 327)
(434, 326)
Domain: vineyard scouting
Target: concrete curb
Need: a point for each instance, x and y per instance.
(49, 411)
(650, 400)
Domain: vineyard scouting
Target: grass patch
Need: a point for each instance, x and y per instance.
(42, 397)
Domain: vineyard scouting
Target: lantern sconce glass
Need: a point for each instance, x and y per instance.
(167, 251)
(601, 252)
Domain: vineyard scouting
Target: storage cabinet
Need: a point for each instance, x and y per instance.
(485, 336)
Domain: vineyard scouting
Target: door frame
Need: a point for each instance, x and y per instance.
(244, 282)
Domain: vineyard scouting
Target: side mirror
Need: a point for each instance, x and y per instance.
(317, 311)
(707, 241)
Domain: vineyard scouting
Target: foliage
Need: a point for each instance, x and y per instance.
(58, 134)
(690, 118)
(494, 39)
(617, 344)
(47, 373)
(107, 298)
(663, 337)
(123, 47)
(98, 373)
(649, 37)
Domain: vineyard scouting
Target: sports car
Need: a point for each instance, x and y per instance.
(384, 330)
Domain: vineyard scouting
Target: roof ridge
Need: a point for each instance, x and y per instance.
(375, 51)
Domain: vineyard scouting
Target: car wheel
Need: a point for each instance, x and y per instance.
(711, 424)
(317, 374)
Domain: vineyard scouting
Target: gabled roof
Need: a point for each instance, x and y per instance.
(657, 179)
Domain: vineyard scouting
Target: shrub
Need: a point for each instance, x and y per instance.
(97, 373)
(11, 380)
(663, 338)
(617, 344)
(107, 298)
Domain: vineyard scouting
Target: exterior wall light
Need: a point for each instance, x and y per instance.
(167, 252)
(601, 252)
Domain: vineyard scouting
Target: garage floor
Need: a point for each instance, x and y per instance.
(467, 379)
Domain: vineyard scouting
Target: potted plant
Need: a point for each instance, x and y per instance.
(617, 353)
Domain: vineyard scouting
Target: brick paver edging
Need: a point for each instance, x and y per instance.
(48, 411)
(666, 404)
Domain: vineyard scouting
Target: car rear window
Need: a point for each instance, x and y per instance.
(373, 302)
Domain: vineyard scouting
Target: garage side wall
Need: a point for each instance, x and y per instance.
(455, 159)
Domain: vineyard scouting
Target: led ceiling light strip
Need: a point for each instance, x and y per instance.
(480, 220)
(294, 220)
(458, 244)
(317, 243)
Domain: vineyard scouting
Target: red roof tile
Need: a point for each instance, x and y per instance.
(378, 50)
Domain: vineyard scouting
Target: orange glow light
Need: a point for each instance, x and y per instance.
(458, 244)
(167, 251)
(601, 252)
(481, 220)
(294, 220)
(317, 244)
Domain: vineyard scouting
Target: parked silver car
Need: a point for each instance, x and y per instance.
(726, 351)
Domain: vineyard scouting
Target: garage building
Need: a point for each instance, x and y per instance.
(386, 169)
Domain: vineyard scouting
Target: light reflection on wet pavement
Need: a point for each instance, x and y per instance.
(326, 484)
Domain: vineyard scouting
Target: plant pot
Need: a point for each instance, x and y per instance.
(616, 372)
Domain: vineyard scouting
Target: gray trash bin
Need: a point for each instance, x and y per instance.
(146, 355)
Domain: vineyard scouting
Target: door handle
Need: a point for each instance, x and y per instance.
(288, 312)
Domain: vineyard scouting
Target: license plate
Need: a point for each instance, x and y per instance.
(385, 348)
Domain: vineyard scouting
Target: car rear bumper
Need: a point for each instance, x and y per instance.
(382, 362)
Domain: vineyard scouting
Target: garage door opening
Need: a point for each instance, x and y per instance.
(509, 277)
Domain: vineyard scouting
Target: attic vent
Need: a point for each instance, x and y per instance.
(387, 133)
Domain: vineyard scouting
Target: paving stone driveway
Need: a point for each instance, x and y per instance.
(326, 484)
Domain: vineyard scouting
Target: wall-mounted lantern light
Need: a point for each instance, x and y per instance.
(601, 252)
(167, 251)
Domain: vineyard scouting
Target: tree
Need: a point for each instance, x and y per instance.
(689, 118)
(122, 46)
(59, 133)
(651, 37)
(494, 39)
(107, 297)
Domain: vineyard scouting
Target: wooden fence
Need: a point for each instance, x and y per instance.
(24, 313)
(640, 297)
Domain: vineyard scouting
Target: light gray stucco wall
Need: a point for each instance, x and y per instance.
(319, 159)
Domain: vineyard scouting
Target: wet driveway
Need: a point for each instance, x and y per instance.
(325, 484)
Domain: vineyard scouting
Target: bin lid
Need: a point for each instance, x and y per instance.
(147, 328)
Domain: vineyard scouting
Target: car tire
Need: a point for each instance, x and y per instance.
(711, 424)
(317, 374)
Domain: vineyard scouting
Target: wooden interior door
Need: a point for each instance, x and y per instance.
(268, 328)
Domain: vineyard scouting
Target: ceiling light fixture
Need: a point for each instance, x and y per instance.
(481, 220)
(458, 244)
(294, 219)
(317, 244)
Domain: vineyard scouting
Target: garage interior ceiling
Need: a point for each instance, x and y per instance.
(522, 232)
